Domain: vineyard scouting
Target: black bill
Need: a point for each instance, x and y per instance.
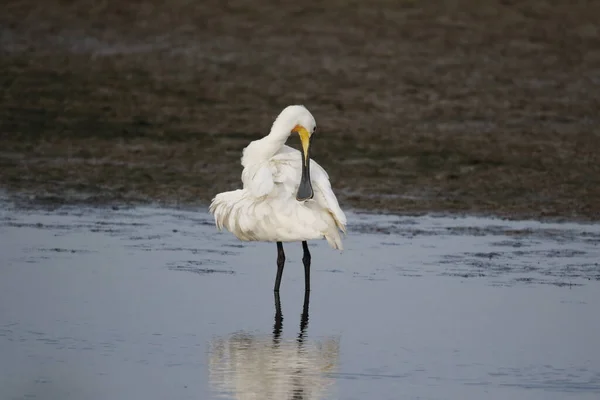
(305, 190)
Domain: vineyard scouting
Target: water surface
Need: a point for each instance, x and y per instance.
(148, 303)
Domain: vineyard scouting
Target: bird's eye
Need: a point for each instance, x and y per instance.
(314, 129)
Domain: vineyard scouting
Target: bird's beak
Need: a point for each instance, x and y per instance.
(305, 190)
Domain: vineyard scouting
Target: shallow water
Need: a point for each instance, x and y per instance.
(152, 303)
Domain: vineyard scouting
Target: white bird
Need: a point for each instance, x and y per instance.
(286, 196)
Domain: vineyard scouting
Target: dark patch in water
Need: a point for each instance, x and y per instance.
(464, 275)
(60, 250)
(535, 281)
(195, 267)
(39, 226)
(510, 243)
(148, 237)
(115, 223)
(200, 251)
(489, 255)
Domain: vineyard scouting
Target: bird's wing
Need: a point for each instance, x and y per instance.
(286, 169)
(257, 175)
(258, 179)
(324, 195)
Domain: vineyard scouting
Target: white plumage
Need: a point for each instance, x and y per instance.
(266, 208)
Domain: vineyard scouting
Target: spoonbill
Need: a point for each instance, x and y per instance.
(286, 196)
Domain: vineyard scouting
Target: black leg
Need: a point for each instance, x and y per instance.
(304, 317)
(280, 263)
(306, 262)
(277, 327)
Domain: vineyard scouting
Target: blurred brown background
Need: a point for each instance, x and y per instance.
(477, 106)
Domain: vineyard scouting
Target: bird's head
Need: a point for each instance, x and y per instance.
(297, 119)
(305, 127)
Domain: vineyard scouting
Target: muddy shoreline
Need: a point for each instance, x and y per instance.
(484, 108)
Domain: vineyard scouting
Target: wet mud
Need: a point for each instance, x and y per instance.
(479, 107)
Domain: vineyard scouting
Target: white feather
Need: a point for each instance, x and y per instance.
(266, 208)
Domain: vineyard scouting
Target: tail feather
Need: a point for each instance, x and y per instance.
(334, 239)
(223, 205)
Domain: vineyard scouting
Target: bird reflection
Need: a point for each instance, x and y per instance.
(248, 366)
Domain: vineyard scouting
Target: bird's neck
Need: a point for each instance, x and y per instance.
(273, 142)
(281, 129)
(278, 134)
(268, 146)
(265, 148)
